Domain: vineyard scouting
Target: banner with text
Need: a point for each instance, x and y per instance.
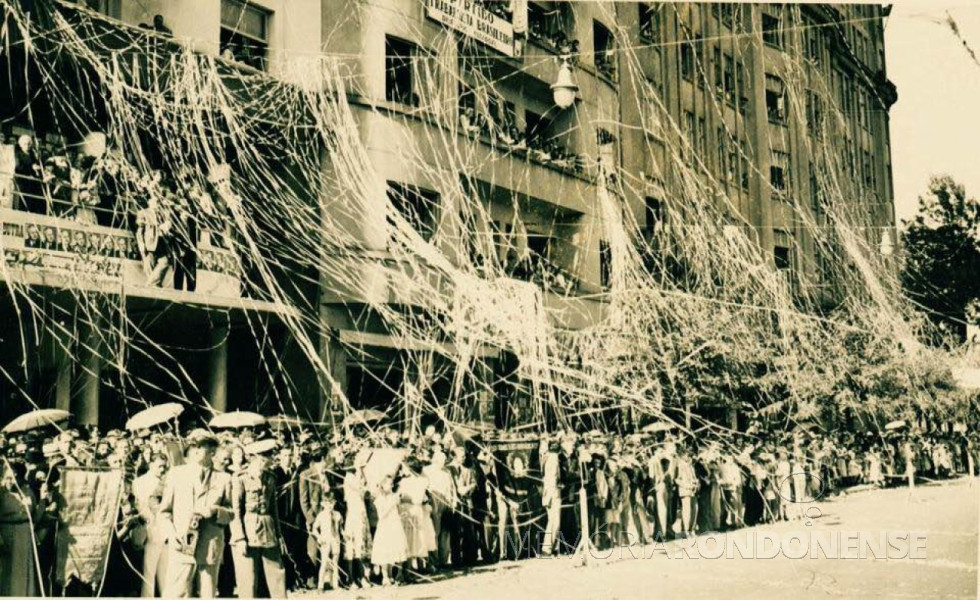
(89, 507)
(472, 19)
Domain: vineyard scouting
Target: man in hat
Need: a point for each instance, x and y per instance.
(256, 534)
(194, 510)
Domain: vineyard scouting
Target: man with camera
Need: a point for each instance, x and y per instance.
(194, 510)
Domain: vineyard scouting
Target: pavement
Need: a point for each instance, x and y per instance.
(936, 558)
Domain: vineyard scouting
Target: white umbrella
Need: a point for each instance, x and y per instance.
(154, 415)
(36, 419)
(237, 419)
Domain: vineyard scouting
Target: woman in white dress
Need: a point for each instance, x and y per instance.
(389, 547)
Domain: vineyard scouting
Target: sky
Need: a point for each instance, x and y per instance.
(935, 125)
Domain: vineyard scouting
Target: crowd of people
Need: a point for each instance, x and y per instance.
(257, 511)
(170, 215)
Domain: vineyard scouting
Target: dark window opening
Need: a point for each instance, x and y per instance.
(782, 258)
(605, 54)
(772, 33)
(775, 100)
(779, 171)
(244, 35)
(605, 263)
(655, 215)
(400, 72)
(418, 206)
(649, 23)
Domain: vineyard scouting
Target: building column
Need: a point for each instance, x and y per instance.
(89, 382)
(218, 368)
(61, 355)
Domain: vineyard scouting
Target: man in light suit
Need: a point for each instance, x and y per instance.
(148, 491)
(194, 510)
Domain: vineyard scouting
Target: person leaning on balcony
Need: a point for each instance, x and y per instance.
(153, 230)
(256, 536)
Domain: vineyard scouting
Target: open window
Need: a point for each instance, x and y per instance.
(400, 78)
(779, 171)
(783, 258)
(775, 99)
(419, 207)
(605, 50)
(245, 33)
(605, 263)
(649, 23)
(772, 27)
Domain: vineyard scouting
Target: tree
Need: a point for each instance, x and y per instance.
(942, 257)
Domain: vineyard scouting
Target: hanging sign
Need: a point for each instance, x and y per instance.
(472, 19)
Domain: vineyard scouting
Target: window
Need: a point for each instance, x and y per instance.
(779, 171)
(775, 99)
(400, 71)
(744, 170)
(727, 157)
(772, 32)
(743, 90)
(863, 106)
(654, 214)
(688, 132)
(110, 8)
(244, 33)
(536, 126)
(814, 113)
(812, 41)
(687, 60)
(781, 254)
(729, 79)
(605, 55)
(725, 13)
(867, 170)
(605, 263)
(419, 207)
(816, 202)
(702, 139)
(649, 23)
(551, 27)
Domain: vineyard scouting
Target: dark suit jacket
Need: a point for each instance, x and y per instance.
(313, 485)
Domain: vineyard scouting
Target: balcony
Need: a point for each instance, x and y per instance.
(42, 250)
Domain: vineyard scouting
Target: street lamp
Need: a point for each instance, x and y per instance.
(887, 245)
(564, 89)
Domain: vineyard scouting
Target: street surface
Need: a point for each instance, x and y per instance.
(946, 513)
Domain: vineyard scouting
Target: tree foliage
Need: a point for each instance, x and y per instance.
(942, 254)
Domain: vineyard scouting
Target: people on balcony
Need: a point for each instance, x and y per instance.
(505, 130)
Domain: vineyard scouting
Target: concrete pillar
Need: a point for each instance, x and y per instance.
(61, 354)
(218, 368)
(89, 382)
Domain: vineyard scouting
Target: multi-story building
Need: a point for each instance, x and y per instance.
(457, 103)
(777, 106)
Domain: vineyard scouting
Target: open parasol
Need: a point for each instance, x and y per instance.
(658, 427)
(363, 417)
(154, 415)
(895, 425)
(36, 419)
(237, 419)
